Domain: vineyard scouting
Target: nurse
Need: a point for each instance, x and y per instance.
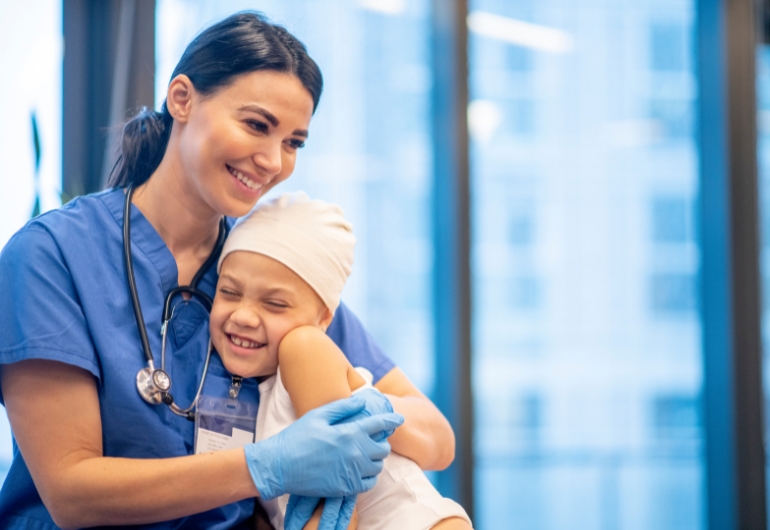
(89, 451)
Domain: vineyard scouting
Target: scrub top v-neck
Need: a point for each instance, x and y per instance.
(65, 299)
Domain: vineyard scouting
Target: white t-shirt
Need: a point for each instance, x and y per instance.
(403, 499)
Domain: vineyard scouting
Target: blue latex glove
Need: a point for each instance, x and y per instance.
(298, 512)
(338, 510)
(376, 403)
(336, 515)
(318, 456)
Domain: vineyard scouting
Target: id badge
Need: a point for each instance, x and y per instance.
(222, 423)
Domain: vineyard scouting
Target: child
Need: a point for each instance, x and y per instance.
(281, 273)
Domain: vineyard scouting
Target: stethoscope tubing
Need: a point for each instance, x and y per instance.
(192, 289)
(132, 279)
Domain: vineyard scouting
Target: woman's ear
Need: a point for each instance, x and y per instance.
(179, 97)
(326, 319)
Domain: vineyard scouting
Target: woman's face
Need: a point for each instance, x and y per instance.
(258, 301)
(237, 143)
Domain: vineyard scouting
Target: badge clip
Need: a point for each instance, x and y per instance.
(235, 387)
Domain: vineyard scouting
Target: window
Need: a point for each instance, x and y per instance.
(522, 226)
(526, 293)
(31, 107)
(527, 418)
(674, 115)
(523, 116)
(672, 293)
(669, 219)
(675, 418)
(519, 59)
(763, 156)
(568, 365)
(668, 46)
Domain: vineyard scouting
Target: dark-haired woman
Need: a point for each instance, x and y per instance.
(89, 451)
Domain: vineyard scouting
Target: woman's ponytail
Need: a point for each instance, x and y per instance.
(145, 137)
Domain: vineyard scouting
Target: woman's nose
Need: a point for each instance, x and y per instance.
(269, 158)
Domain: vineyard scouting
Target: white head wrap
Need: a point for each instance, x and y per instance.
(312, 238)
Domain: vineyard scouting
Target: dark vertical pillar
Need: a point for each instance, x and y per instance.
(451, 240)
(730, 281)
(91, 29)
(141, 85)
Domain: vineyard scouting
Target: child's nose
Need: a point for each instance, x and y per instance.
(246, 317)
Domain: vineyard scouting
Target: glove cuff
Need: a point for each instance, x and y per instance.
(264, 463)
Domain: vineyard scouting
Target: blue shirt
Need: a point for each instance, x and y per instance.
(65, 298)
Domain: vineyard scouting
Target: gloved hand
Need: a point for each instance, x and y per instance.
(318, 456)
(336, 514)
(376, 403)
(337, 510)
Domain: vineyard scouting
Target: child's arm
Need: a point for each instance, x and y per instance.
(315, 372)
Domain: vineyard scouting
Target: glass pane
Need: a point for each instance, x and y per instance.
(30, 184)
(369, 147)
(587, 349)
(763, 158)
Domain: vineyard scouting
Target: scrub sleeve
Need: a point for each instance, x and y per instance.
(65, 299)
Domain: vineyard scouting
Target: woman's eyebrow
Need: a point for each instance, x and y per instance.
(269, 117)
(264, 112)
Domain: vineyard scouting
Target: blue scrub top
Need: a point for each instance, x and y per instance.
(65, 298)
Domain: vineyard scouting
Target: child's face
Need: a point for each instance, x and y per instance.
(258, 301)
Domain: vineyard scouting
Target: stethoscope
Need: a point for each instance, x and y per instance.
(153, 383)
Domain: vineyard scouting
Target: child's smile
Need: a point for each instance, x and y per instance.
(246, 344)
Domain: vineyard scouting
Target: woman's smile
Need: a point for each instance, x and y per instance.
(248, 180)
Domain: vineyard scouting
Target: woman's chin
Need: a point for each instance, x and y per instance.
(236, 207)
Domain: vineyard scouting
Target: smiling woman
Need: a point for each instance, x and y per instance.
(232, 148)
(67, 373)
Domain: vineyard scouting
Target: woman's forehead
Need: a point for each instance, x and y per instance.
(281, 94)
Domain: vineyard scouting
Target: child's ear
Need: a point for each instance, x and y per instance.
(326, 319)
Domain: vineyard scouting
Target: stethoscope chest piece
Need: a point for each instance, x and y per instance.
(152, 385)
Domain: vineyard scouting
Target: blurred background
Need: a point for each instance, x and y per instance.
(524, 186)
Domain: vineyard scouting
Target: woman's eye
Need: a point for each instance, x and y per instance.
(258, 125)
(296, 144)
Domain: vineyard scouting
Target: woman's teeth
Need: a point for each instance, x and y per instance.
(244, 343)
(246, 180)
